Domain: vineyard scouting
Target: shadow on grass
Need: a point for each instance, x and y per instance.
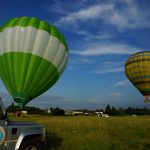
(52, 141)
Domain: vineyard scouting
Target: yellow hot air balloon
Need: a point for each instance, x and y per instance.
(137, 69)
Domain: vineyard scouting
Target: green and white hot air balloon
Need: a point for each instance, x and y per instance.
(33, 55)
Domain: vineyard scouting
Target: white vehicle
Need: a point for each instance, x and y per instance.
(101, 114)
(15, 135)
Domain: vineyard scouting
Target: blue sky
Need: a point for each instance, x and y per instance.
(101, 35)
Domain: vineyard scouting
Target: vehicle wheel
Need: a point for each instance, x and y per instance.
(31, 145)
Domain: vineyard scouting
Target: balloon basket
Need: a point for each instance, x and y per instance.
(146, 99)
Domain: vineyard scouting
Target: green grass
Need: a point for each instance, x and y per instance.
(93, 133)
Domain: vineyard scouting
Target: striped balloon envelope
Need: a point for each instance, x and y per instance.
(33, 55)
(137, 69)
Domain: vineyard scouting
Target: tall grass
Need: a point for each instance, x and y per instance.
(93, 133)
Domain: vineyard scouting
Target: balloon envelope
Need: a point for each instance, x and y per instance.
(137, 69)
(33, 55)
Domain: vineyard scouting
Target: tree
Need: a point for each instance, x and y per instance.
(129, 111)
(12, 108)
(121, 111)
(113, 111)
(108, 109)
(30, 110)
(57, 111)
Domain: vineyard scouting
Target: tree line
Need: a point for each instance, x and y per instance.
(126, 111)
(34, 110)
(112, 111)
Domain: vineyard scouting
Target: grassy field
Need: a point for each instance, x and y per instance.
(93, 133)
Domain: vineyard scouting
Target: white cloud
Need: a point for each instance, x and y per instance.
(128, 16)
(83, 61)
(117, 94)
(121, 83)
(98, 36)
(57, 7)
(47, 100)
(63, 8)
(99, 20)
(105, 49)
(98, 54)
(75, 68)
(110, 67)
(109, 70)
(90, 13)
